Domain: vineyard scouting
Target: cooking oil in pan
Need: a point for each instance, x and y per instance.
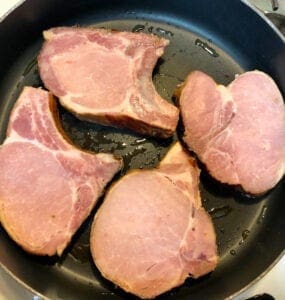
(205, 46)
(244, 236)
(219, 212)
(162, 31)
(138, 28)
(151, 29)
(136, 151)
(80, 253)
(262, 214)
(30, 66)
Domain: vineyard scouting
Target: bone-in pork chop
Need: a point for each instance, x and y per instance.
(238, 131)
(151, 231)
(47, 186)
(106, 76)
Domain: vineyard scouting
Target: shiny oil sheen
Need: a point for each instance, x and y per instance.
(221, 38)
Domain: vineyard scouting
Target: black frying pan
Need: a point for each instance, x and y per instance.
(222, 38)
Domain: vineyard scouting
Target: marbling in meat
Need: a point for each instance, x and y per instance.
(151, 231)
(106, 76)
(238, 131)
(47, 186)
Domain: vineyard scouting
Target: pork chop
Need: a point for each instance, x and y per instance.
(238, 131)
(105, 76)
(47, 186)
(151, 231)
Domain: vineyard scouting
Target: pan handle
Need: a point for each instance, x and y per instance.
(261, 297)
(274, 4)
(274, 10)
(278, 20)
(269, 6)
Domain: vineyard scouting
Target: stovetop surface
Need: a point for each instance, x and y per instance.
(272, 283)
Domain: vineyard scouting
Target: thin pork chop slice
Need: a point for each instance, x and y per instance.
(47, 186)
(151, 231)
(238, 131)
(105, 76)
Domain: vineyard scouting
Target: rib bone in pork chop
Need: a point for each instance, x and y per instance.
(237, 131)
(106, 76)
(47, 186)
(151, 231)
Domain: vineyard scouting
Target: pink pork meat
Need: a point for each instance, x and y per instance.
(105, 76)
(151, 231)
(238, 131)
(47, 186)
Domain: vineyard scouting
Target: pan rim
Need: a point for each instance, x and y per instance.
(266, 19)
(14, 7)
(258, 278)
(249, 285)
(22, 283)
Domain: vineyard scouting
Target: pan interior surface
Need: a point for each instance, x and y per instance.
(245, 226)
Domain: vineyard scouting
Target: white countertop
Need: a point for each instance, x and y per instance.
(6, 5)
(273, 282)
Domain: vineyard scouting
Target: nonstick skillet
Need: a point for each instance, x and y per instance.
(221, 38)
